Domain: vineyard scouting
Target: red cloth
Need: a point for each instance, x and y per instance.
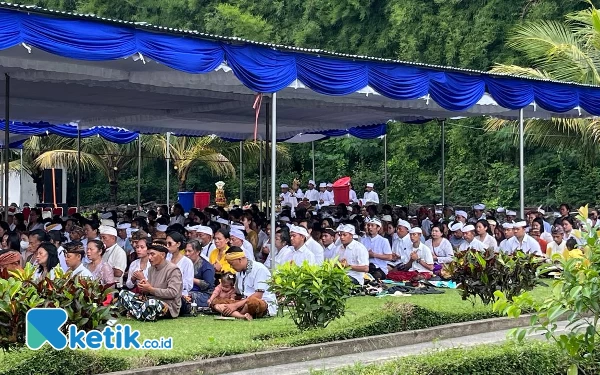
(543, 245)
(108, 300)
(408, 275)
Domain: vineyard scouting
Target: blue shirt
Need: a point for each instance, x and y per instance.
(204, 271)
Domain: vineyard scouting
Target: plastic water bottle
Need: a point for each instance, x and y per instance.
(194, 309)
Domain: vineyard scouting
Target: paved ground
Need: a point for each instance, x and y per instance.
(380, 355)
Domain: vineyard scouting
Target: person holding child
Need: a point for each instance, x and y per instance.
(251, 284)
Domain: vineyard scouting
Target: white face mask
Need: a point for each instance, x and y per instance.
(24, 245)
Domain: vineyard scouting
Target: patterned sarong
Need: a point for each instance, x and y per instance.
(142, 307)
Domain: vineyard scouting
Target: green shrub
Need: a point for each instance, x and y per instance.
(314, 295)
(80, 297)
(482, 274)
(575, 297)
(65, 362)
(531, 358)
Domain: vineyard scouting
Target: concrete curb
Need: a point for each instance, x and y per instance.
(248, 361)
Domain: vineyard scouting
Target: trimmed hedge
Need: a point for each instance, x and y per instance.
(394, 317)
(530, 358)
(54, 362)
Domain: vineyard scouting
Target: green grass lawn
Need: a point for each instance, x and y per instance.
(204, 337)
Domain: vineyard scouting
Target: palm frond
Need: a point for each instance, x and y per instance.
(68, 159)
(554, 48)
(15, 166)
(520, 71)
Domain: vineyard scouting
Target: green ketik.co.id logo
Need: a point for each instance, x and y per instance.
(44, 325)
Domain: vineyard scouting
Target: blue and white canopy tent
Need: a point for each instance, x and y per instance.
(66, 68)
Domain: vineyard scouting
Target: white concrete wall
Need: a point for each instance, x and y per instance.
(24, 194)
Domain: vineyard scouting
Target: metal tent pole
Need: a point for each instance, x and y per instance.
(241, 173)
(521, 164)
(78, 168)
(443, 162)
(267, 159)
(385, 163)
(139, 170)
(6, 142)
(260, 173)
(21, 180)
(168, 166)
(3, 173)
(273, 172)
(313, 161)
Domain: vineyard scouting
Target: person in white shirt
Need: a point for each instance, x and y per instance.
(286, 198)
(114, 255)
(478, 213)
(522, 241)
(427, 223)
(421, 256)
(456, 239)
(440, 247)
(239, 239)
(312, 194)
(508, 234)
(401, 245)
(352, 198)
(558, 245)
(485, 235)
(122, 234)
(190, 232)
(300, 253)
(461, 216)
(281, 250)
(370, 196)
(178, 215)
(313, 245)
(74, 257)
(252, 284)
(470, 241)
(324, 195)
(298, 193)
(175, 244)
(353, 254)
(205, 235)
(380, 252)
(568, 226)
(329, 248)
(329, 188)
(511, 216)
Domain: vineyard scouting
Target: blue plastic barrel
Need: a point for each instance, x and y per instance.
(186, 199)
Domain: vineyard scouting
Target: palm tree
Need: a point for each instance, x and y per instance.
(568, 51)
(96, 154)
(32, 149)
(220, 156)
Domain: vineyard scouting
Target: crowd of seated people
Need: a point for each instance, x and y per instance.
(164, 263)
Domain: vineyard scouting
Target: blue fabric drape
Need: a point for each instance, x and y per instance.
(401, 83)
(362, 132)
(261, 69)
(265, 69)
(115, 135)
(331, 76)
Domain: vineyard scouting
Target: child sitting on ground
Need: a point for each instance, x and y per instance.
(223, 294)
